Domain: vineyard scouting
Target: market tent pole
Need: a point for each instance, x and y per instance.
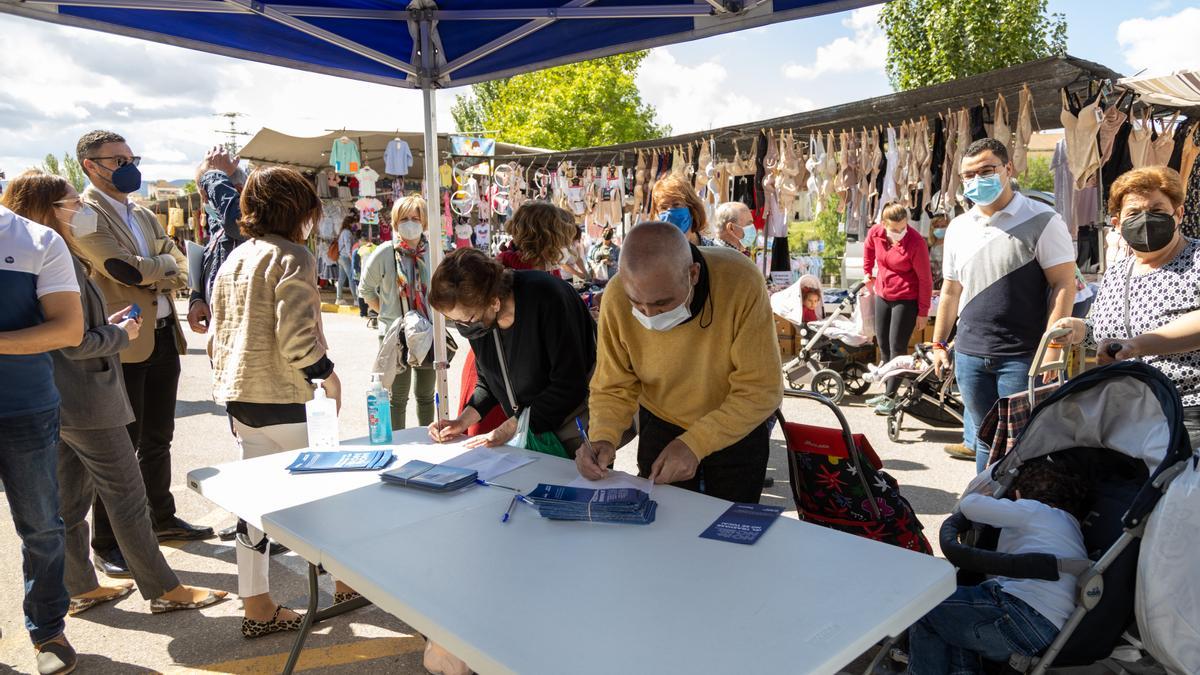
(433, 207)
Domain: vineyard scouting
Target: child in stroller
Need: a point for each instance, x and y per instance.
(1002, 616)
(831, 351)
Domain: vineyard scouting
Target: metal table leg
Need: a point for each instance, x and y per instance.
(314, 616)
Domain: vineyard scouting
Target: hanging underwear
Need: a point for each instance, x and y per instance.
(1020, 150)
(1080, 126)
(1000, 128)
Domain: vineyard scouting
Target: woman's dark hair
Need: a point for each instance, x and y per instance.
(1054, 484)
(348, 222)
(467, 277)
(278, 200)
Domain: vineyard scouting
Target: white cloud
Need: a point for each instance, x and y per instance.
(62, 82)
(692, 98)
(866, 50)
(1163, 44)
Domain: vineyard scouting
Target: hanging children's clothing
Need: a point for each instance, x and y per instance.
(344, 156)
(397, 157)
(366, 181)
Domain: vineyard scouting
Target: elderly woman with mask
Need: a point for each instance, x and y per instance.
(1148, 303)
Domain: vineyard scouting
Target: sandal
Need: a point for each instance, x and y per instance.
(339, 598)
(81, 604)
(160, 606)
(255, 629)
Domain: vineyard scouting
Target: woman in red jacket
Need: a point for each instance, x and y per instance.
(896, 263)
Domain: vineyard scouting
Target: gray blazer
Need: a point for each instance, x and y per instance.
(89, 377)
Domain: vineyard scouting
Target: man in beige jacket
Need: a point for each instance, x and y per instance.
(135, 262)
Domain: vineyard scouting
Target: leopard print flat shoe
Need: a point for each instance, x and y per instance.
(339, 598)
(255, 629)
(81, 604)
(160, 606)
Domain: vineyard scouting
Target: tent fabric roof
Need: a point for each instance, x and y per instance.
(1045, 77)
(376, 40)
(274, 147)
(1179, 90)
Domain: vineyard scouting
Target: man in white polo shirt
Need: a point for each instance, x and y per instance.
(40, 312)
(135, 262)
(1009, 270)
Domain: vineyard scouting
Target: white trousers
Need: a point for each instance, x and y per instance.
(252, 565)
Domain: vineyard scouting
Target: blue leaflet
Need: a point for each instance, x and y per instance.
(623, 505)
(742, 523)
(427, 476)
(316, 462)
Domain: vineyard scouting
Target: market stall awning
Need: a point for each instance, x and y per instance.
(1044, 77)
(377, 40)
(1179, 90)
(312, 152)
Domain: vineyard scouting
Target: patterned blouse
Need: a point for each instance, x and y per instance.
(1155, 299)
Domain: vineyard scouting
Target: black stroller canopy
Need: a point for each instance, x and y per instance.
(1128, 407)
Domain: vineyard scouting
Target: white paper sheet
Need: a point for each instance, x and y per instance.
(614, 481)
(489, 463)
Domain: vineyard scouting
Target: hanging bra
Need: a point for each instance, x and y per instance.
(1139, 139)
(1163, 146)
(743, 166)
(1020, 150)
(1083, 153)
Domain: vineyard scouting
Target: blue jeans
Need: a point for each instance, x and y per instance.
(976, 623)
(983, 380)
(345, 278)
(29, 470)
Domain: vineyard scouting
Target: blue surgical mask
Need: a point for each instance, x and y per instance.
(749, 234)
(680, 217)
(984, 190)
(939, 233)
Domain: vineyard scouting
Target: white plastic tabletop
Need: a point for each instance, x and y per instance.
(536, 596)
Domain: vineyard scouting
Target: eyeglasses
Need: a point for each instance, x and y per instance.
(120, 160)
(985, 172)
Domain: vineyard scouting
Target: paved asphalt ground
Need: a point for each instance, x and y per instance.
(125, 638)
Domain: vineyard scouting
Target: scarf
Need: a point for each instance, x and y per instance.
(412, 273)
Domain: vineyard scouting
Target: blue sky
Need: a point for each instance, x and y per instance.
(61, 82)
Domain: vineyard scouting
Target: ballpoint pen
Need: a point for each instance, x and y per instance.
(512, 504)
(480, 481)
(583, 434)
(437, 411)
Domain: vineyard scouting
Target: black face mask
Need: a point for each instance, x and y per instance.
(474, 329)
(1148, 231)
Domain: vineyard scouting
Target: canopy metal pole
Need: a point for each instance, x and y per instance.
(434, 209)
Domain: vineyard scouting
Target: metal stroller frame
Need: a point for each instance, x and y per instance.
(827, 382)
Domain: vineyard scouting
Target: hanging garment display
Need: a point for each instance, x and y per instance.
(344, 156)
(1140, 136)
(1191, 202)
(1024, 131)
(1080, 126)
(368, 210)
(891, 160)
(1000, 129)
(397, 157)
(366, 181)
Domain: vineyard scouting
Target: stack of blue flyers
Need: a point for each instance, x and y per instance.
(622, 505)
(318, 462)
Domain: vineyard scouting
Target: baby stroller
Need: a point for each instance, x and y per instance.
(924, 395)
(838, 481)
(832, 353)
(1121, 427)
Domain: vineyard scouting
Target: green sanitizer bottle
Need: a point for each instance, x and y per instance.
(379, 411)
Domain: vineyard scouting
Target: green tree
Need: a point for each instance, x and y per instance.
(189, 187)
(1038, 175)
(68, 168)
(934, 41)
(577, 105)
(824, 227)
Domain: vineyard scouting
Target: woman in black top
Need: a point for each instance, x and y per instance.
(528, 323)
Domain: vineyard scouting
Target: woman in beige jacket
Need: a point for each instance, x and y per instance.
(268, 346)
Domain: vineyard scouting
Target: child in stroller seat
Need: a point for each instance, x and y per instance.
(812, 299)
(1003, 616)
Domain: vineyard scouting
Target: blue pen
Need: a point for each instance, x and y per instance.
(480, 481)
(512, 504)
(437, 410)
(583, 434)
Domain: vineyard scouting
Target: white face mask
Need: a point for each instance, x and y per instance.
(896, 236)
(83, 222)
(667, 320)
(410, 230)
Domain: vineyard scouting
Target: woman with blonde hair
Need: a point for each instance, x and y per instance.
(675, 201)
(95, 453)
(395, 280)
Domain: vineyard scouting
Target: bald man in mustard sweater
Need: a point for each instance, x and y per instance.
(686, 343)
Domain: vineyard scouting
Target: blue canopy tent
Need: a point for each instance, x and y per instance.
(423, 44)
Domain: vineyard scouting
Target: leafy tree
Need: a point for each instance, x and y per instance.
(934, 41)
(68, 168)
(824, 227)
(1038, 175)
(577, 105)
(189, 188)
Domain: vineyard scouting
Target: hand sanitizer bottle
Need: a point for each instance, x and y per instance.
(379, 411)
(321, 416)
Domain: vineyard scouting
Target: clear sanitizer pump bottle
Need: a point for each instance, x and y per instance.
(320, 414)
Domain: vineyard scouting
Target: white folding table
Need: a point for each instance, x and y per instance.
(535, 596)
